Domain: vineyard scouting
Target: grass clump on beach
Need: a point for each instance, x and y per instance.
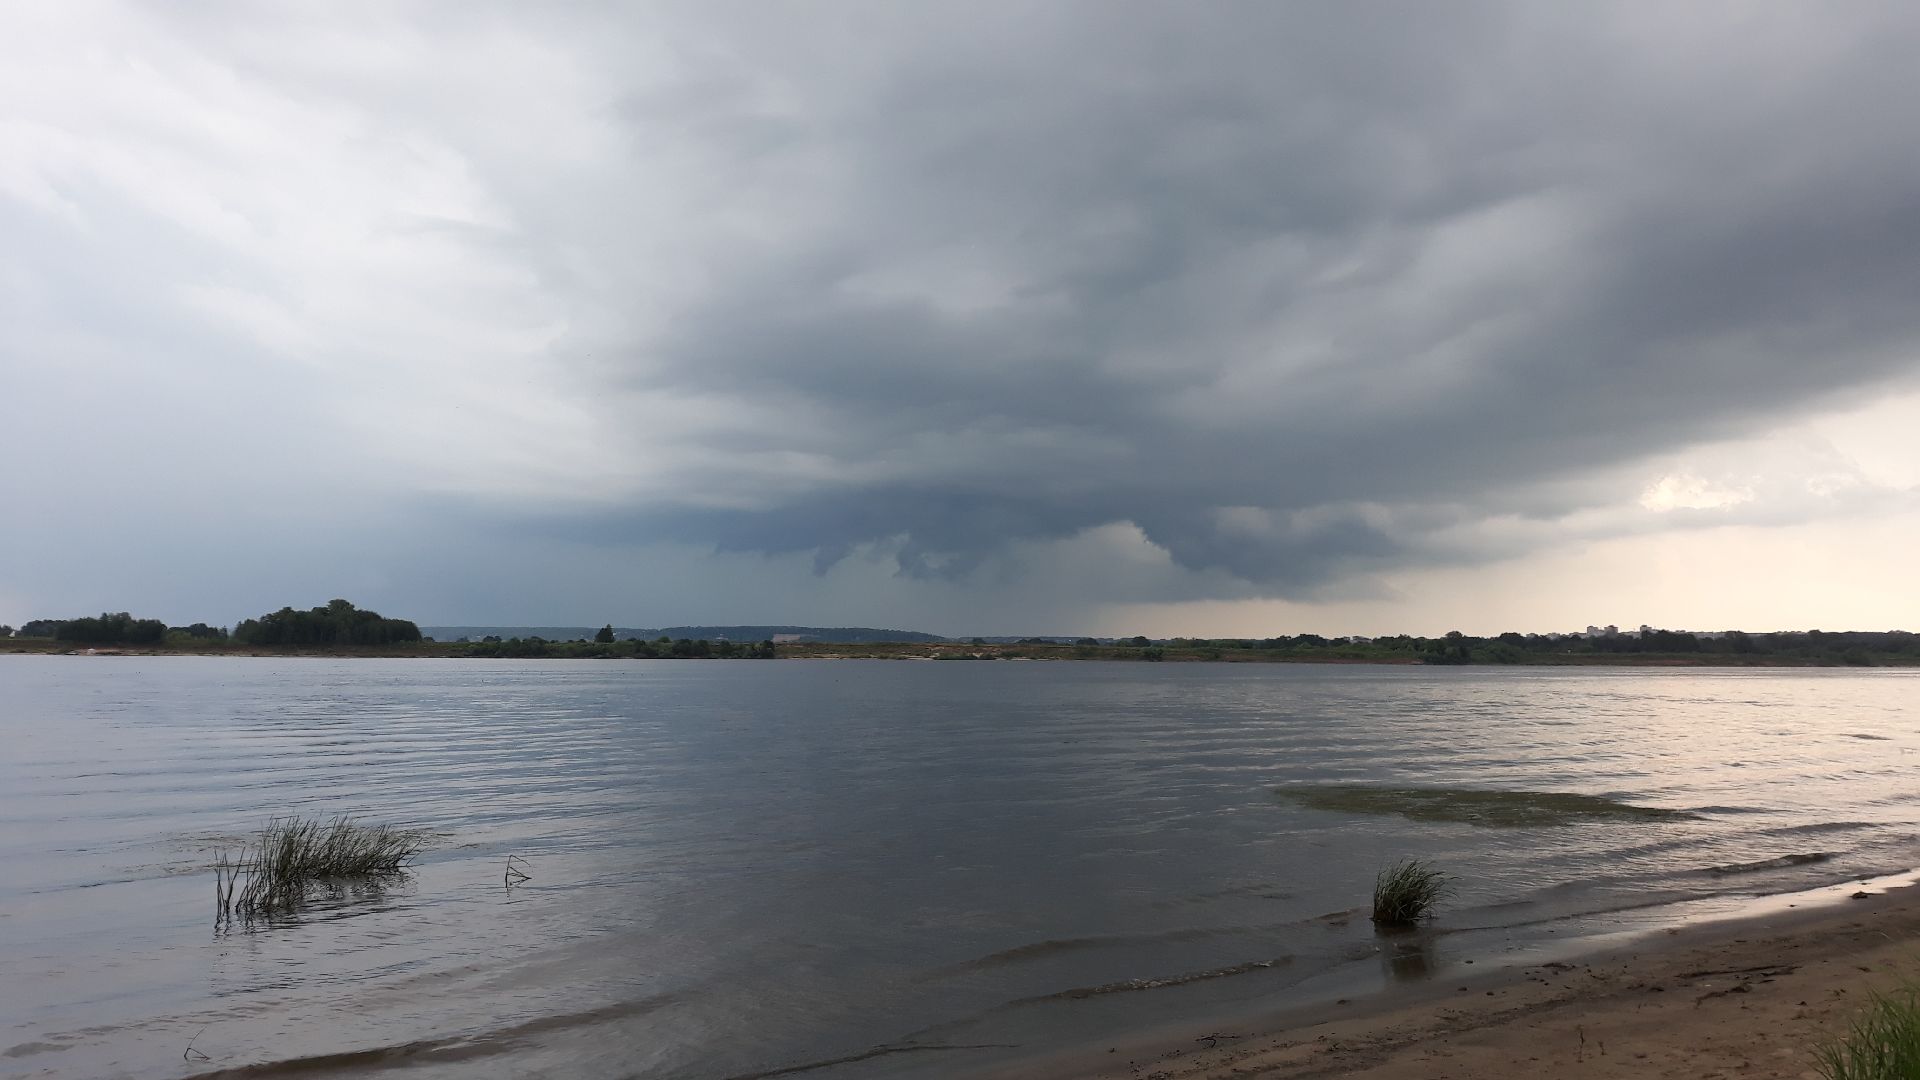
(1882, 1042)
(1473, 806)
(1405, 893)
(293, 855)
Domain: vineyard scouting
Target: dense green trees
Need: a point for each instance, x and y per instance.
(339, 623)
(5, 631)
(605, 636)
(115, 628)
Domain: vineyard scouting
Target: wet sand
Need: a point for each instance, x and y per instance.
(1751, 997)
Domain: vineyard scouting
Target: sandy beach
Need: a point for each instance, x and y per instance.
(1745, 998)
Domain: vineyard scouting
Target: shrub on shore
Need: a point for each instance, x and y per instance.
(1405, 893)
(292, 855)
(1882, 1042)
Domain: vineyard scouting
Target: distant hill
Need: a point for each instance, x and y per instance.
(1030, 639)
(845, 635)
(475, 633)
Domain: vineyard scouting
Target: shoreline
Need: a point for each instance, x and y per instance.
(936, 652)
(1747, 995)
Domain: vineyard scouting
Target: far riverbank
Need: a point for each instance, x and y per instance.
(631, 650)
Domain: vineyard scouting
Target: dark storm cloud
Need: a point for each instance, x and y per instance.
(1018, 301)
(1290, 289)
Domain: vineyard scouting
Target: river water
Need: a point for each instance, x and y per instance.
(861, 868)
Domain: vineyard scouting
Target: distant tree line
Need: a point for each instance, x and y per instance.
(338, 623)
(117, 628)
(341, 624)
(114, 628)
(1858, 648)
(109, 628)
(658, 648)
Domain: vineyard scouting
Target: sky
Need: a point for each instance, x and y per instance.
(1104, 317)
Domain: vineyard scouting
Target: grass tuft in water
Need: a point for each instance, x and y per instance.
(1882, 1042)
(1473, 806)
(1406, 892)
(293, 855)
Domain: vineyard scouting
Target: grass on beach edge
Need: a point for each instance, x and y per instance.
(1406, 892)
(1881, 1043)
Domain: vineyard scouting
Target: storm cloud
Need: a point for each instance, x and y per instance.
(1293, 295)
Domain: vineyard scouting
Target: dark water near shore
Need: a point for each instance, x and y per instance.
(743, 867)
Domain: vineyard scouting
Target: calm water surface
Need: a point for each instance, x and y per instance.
(875, 868)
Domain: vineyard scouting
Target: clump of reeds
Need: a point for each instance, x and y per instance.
(294, 855)
(1882, 1042)
(1405, 893)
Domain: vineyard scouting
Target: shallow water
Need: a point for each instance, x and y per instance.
(739, 868)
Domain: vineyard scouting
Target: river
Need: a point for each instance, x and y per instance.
(866, 868)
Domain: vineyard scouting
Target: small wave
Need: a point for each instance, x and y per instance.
(440, 1050)
(1473, 806)
(1261, 890)
(424, 1051)
(1039, 950)
(868, 1055)
(1869, 738)
(1780, 863)
(1081, 993)
(1817, 827)
(27, 1049)
(1642, 904)
(1311, 964)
